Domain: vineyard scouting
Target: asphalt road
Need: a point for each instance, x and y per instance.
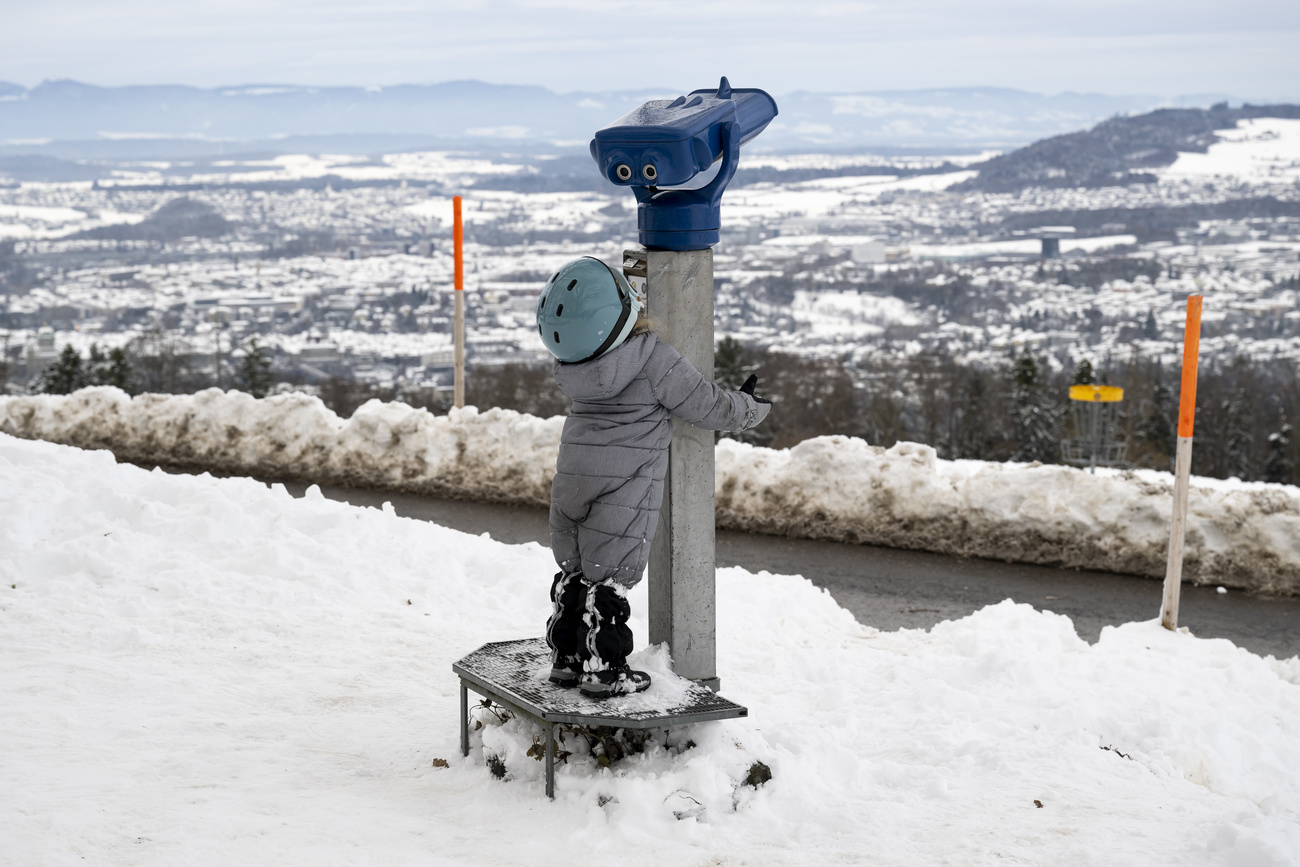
(889, 588)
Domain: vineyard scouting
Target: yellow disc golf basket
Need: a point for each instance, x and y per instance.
(1098, 440)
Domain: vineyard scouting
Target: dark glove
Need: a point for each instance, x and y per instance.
(748, 388)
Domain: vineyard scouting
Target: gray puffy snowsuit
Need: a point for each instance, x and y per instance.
(609, 479)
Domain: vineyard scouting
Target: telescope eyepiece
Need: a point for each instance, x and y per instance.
(650, 172)
(623, 171)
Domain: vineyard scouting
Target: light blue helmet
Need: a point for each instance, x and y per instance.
(586, 310)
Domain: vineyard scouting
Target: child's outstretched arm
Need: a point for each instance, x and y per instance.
(685, 392)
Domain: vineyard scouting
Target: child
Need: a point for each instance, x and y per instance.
(609, 479)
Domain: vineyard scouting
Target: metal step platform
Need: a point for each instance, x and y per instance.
(510, 674)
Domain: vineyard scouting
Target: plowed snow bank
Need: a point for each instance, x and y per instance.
(1244, 535)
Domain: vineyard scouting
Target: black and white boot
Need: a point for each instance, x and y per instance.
(609, 641)
(566, 630)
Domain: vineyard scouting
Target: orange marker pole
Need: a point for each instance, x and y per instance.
(458, 244)
(1183, 464)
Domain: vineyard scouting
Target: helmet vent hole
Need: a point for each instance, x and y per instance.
(556, 335)
(572, 283)
(559, 311)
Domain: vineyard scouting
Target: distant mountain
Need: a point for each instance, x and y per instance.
(70, 119)
(1118, 151)
(986, 117)
(179, 218)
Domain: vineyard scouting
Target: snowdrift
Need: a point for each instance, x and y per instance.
(209, 671)
(496, 455)
(1243, 535)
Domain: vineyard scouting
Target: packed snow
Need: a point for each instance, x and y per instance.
(839, 196)
(209, 671)
(1243, 535)
(1264, 150)
(33, 221)
(1020, 246)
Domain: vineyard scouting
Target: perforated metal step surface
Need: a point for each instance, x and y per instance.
(515, 672)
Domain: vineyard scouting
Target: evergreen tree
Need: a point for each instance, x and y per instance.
(1157, 427)
(729, 368)
(1034, 413)
(117, 372)
(1083, 374)
(730, 372)
(1279, 468)
(94, 370)
(1236, 411)
(1150, 330)
(65, 375)
(254, 375)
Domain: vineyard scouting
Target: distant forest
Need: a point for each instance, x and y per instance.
(1017, 410)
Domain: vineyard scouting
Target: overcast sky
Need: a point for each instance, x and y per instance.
(1247, 48)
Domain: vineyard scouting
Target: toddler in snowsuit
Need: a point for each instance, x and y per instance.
(613, 459)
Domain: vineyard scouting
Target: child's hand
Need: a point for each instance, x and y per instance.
(748, 388)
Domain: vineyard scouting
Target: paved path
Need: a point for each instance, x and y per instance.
(889, 588)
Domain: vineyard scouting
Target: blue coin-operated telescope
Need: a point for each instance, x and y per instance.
(666, 143)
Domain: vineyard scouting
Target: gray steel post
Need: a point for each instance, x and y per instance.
(550, 760)
(464, 719)
(1094, 416)
(679, 297)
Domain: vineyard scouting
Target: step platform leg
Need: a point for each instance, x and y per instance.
(550, 761)
(464, 719)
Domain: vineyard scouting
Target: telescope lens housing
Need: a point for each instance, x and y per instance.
(672, 141)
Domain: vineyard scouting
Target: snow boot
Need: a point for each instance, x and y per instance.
(566, 632)
(609, 641)
(613, 681)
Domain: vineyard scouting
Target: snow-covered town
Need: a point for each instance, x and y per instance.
(806, 266)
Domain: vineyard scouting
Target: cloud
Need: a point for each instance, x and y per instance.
(1158, 46)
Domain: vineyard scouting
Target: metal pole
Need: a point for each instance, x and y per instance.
(464, 719)
(1094, 419)
(550, 760)
(458, 243)
(683, 606)
(1182, 465)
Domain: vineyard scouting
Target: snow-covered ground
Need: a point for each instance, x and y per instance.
(1263, 150)
(209, 671)
(1024, 246)
(33, 221)
(1244, 535)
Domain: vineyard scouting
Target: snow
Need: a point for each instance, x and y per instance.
(1239, 534)
(791, 162)
(35, 221)
(1244, 535)
(208, 671)
(495, 455)
(41, 215)
(760, 204)
(1020, 247)
(420, 165)
(1262, 150)
(851, 315)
